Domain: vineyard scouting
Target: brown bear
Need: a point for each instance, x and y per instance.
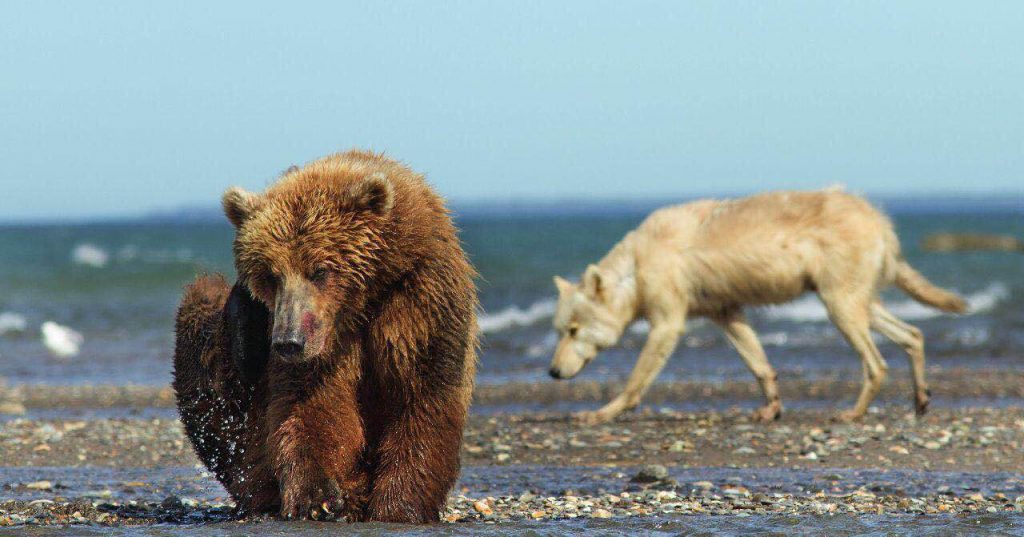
(333, 379)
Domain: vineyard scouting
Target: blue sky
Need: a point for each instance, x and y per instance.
(115, 108)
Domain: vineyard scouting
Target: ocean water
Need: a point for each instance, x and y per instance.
(116, 285)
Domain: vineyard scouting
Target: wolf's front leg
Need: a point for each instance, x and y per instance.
(661, 342)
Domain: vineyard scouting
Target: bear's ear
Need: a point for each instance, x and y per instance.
(239, 205)
(374, 193)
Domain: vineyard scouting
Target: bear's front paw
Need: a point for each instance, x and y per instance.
(321, 501)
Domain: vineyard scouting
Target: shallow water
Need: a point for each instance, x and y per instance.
(835, 525)
(124, 307)
(551, 481)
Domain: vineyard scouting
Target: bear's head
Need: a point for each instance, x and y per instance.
(311, 248)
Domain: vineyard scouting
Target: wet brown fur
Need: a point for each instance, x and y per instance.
(369, 425)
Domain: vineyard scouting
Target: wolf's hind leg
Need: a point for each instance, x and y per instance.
(853, 319)
(744, 339)
(908, 337)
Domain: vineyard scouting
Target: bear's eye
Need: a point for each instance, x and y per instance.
(319, 276)
(573, 330)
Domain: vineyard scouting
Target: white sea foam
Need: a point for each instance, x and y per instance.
(12, 322)
(63, 342)
(809, 307)
(90, 255)
(514, 316)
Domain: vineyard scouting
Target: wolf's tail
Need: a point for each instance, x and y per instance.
(925, 292)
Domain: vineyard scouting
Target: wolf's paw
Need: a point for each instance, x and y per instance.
(921, 401)
(847, 416)
(767, 413)
(596, 417)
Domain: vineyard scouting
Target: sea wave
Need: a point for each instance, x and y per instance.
(809, 307)
(12, 322)
(514, 316)
(89, 255)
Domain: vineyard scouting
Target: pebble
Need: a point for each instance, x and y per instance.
(652, 473)
(482, 508)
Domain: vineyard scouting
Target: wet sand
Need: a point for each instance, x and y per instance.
(964, 458)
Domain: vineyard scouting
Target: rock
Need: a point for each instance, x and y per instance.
(39, 485)
(704, 485)
(745, 450)
(482, 508)
(601, 513)
(172, 503)
(899, 449)
(502, 457)
(652, 473)
(12, 407)
(735, 491)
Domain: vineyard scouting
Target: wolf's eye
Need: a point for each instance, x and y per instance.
(318, 276)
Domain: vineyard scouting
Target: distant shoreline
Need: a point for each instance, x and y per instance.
(952, 203)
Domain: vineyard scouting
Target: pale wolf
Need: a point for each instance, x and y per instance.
(711, 258)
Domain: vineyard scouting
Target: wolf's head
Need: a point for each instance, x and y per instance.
(588, 320)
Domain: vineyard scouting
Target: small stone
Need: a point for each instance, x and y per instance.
(601, 513)
(482, 508)
(537, 515)
(651, 473)
(745, 450)
(899, 449)
(704, 485)
(39, 485)
(812, 456)
(735, 491)
(171, 502)
(502, 457)
(12, 407)
(932, 444)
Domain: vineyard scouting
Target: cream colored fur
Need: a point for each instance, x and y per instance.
(710, 258)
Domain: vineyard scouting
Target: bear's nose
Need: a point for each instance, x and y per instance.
(290, 348)
(555, 373)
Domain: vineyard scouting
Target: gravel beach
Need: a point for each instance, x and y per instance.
(126, 470)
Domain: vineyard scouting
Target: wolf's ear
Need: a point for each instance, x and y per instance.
(239, 205)
(563, 285)
(593, 281)
(375, 193)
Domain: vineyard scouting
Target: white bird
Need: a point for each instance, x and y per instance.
(62, 341)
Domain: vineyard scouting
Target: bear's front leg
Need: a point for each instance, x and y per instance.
(417, 461)
(318, 443)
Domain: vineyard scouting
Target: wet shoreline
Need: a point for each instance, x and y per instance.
(114, 458)
(952, 384)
